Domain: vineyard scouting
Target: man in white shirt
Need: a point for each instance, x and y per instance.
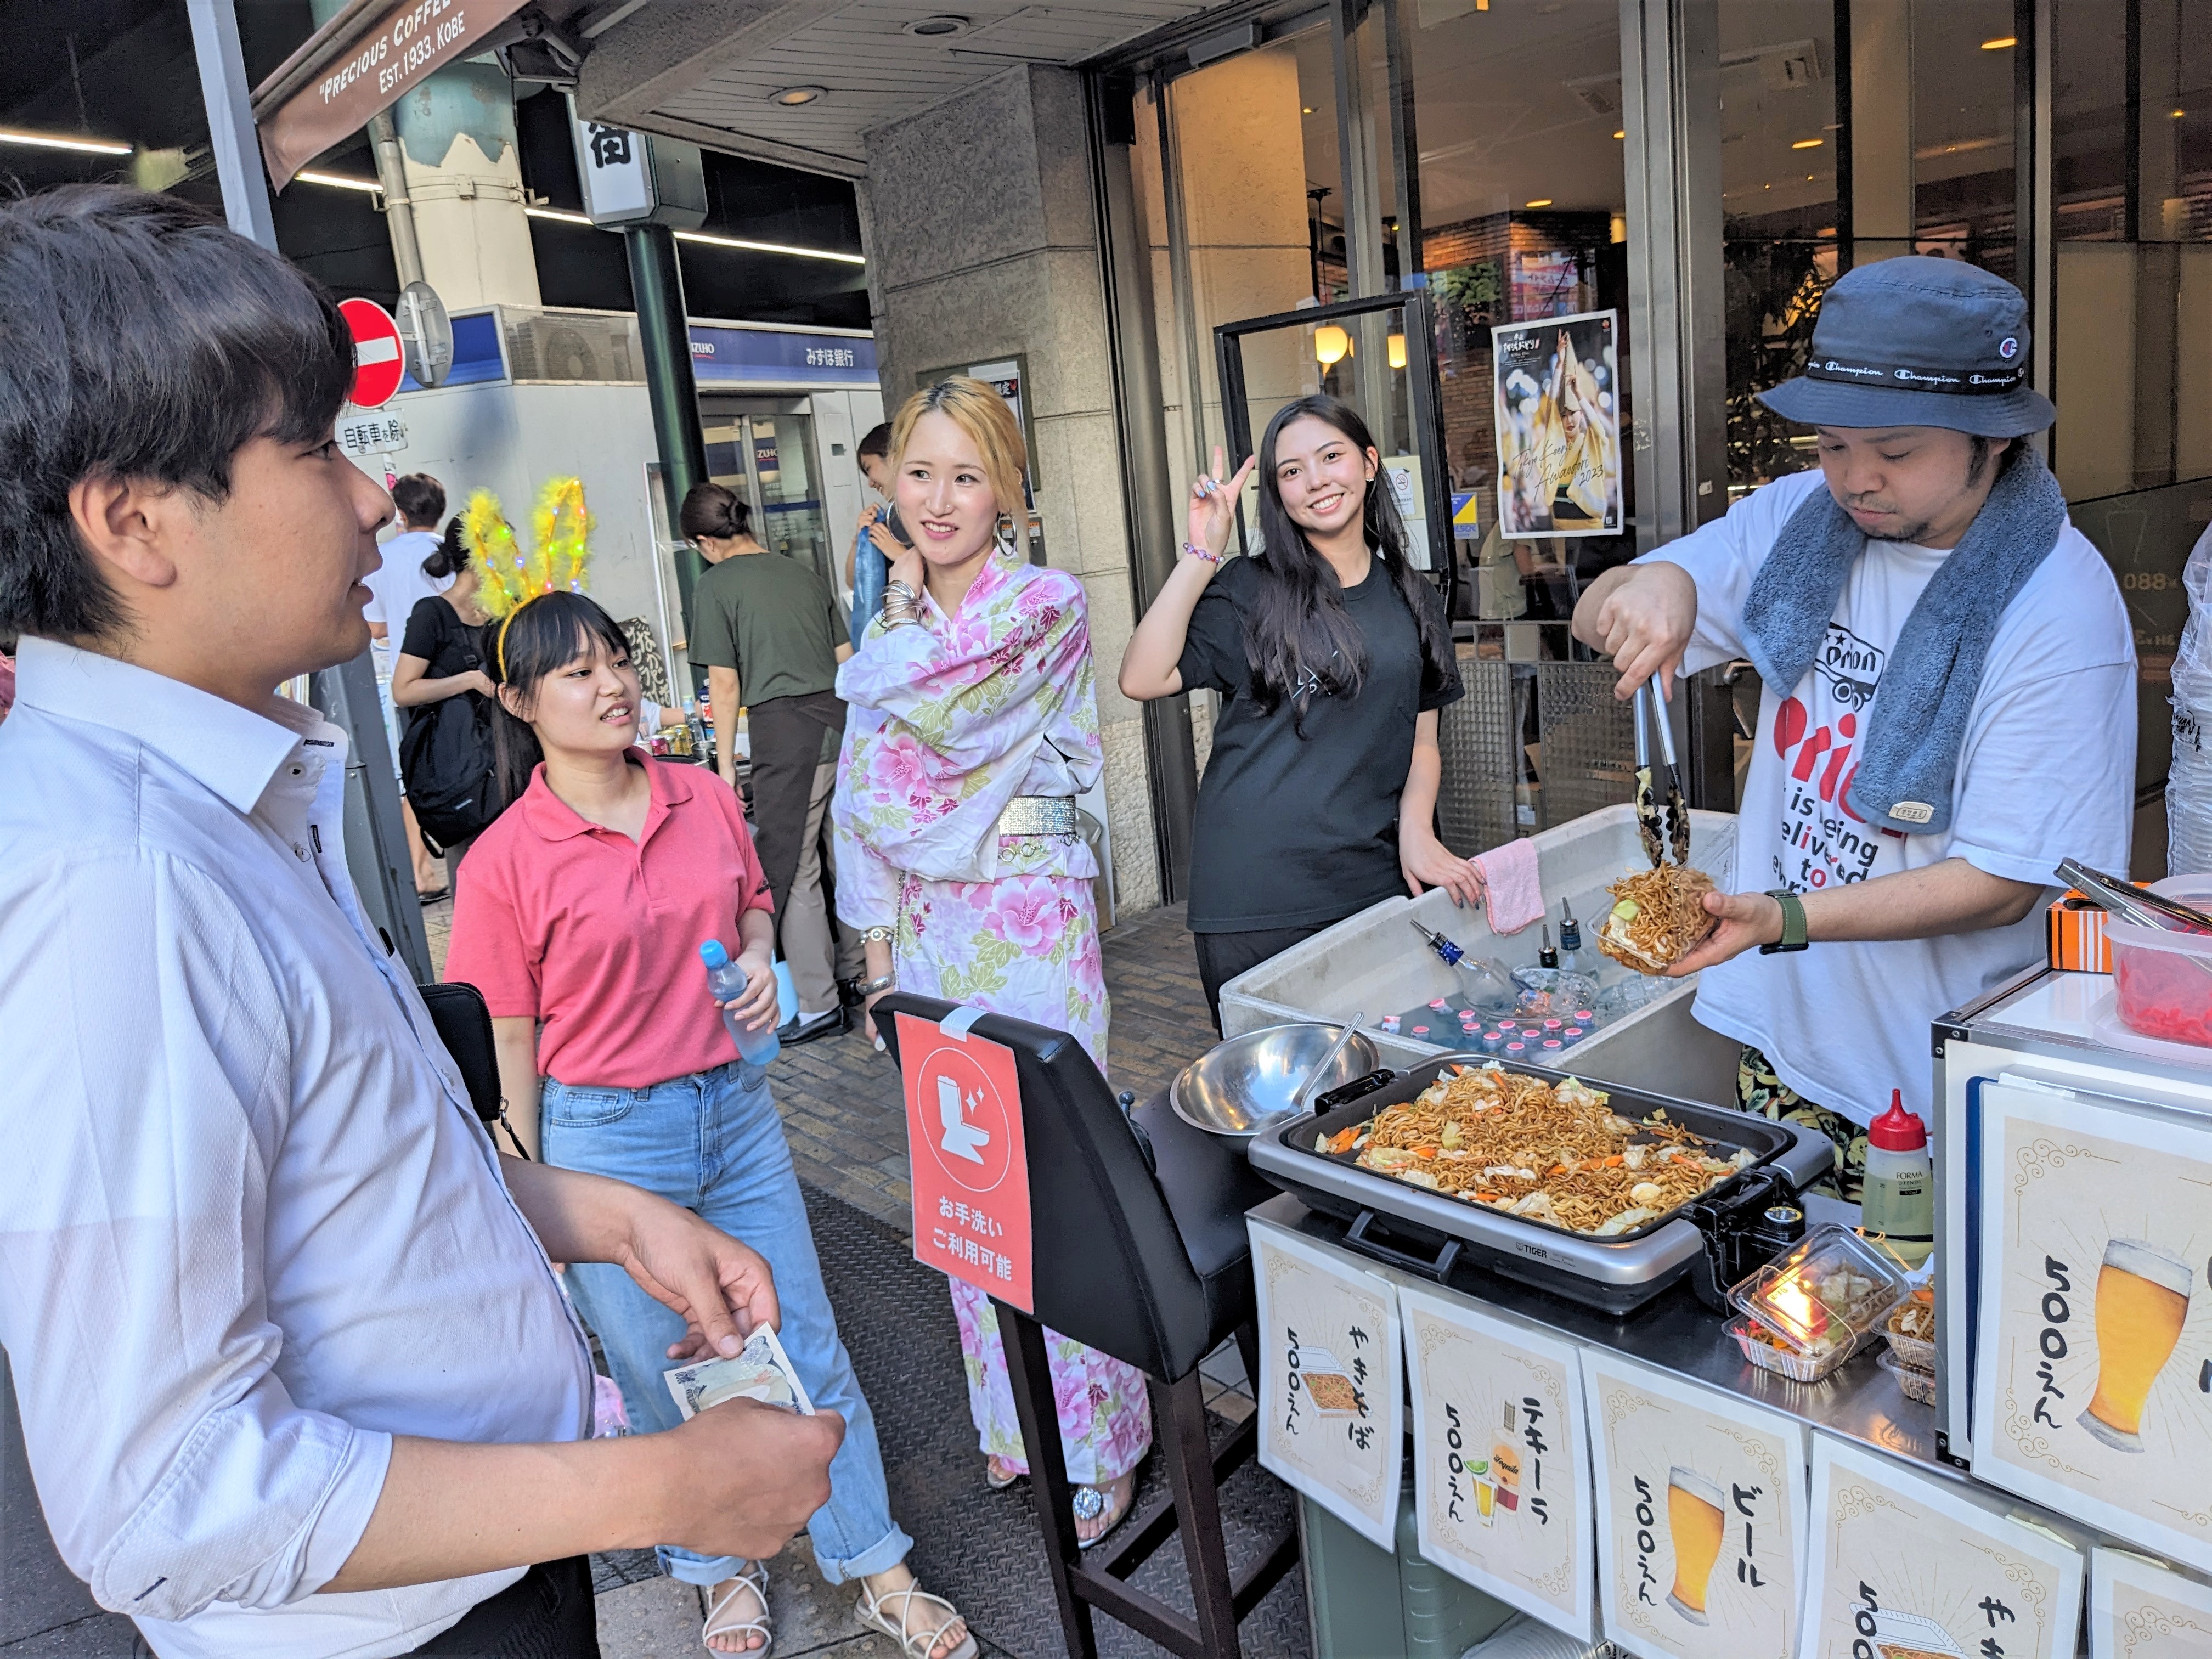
(297, 1375)
(1934, 587)
(394, 587)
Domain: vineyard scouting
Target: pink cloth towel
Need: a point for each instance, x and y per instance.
(1509, 885)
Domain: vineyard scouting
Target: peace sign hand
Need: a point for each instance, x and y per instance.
(1213, 505)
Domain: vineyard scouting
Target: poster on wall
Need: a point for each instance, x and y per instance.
(1912, 1568)
(1700, 1515)
(1501, 1461)
(1332, 1422)
(2140, 1609)
(2093, 1373)
(1556, 386)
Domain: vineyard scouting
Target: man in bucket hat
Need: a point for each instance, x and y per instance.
(1948, 706)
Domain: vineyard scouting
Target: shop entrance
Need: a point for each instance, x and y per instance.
(765, 449)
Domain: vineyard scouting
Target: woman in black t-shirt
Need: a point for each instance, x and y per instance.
(1332, 655)
(446, 757)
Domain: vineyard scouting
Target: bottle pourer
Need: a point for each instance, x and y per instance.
(1571, 931)
(1547, 956)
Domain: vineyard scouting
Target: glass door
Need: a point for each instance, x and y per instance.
(764, 449)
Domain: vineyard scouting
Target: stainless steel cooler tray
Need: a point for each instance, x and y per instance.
(1336, 1185)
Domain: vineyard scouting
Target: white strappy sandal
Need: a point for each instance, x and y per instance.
(754, 1577)
(873, 1612)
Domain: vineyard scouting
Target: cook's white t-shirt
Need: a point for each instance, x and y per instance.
(395, 589)
(2047, 772)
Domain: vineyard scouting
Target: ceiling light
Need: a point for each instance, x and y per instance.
(937, 28)
(1808, 143)
(2000, 43)
(1330, 345)
(793, 97)
(554, 214)
(339, 181)
(1308, 109)
(1397, 345)
(53, 141)
(1623, 133)
(1542, 201)
(2178, 114)
(771, 247)
(1808, 178)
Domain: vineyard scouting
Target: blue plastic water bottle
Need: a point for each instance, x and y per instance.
(727, 981)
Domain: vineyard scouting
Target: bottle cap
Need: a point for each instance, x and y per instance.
(1897, 1130)
(713, 955)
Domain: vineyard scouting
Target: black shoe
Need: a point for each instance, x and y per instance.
(796, 1030)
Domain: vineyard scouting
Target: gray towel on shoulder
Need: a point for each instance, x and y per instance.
(1910, 758)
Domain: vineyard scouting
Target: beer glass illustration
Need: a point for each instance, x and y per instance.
(1697, 1512)
(2142, 1297)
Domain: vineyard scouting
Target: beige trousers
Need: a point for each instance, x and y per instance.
(820, 949)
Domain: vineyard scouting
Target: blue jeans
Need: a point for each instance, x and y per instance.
(871, 570)
(712, 1143)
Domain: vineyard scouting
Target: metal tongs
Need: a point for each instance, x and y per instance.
(2132, 903)
(1662, 821)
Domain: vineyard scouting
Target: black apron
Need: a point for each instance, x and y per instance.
(787, 747)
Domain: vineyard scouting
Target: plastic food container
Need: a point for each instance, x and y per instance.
(1918, 1385)
(1797, 1366)
(1826, 1298)
(1918, 1351)
(2163, 979)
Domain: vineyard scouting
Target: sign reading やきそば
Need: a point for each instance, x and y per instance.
(969, 1162)
(1700, 1515)
(1501, 1469)
(1332, 1423)
(2093, 1373)
(1909, 1568)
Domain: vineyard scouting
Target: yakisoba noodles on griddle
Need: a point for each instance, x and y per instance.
(1658, 916)
(1562, 1155)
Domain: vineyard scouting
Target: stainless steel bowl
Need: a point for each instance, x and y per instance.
(1246, 1084)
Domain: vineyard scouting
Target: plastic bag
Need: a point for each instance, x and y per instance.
(2189, 795)
(2192, 659)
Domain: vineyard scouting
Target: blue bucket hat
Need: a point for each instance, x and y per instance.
(1918, 342)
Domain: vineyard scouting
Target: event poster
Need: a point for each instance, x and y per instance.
(1700, 1515)
(1907, 1567)
(2142, 1609)
(1501, 1464)
(1331, 1394)
(1557, 386)
(2093, 1373)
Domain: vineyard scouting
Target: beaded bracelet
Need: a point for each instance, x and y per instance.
(1205, 553)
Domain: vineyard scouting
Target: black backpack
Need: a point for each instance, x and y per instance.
(445, 756)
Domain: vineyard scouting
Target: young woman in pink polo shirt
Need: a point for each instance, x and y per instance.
(580, 922)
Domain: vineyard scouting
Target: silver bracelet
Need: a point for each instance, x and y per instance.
(869, 988)
(897, 592)
(875, 936)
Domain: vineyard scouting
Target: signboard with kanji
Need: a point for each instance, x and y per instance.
(1700, 1515)
(969, 1163)
(1909, 1567)
(1501, 1460)
(2140, 1609)
(1332, 1423)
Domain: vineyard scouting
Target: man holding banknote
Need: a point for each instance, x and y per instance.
(297, 1375)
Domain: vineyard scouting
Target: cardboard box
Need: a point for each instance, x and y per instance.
(2076, 929)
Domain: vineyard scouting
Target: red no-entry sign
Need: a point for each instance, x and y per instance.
(377, 360)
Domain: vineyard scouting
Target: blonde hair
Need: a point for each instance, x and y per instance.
(982, 414)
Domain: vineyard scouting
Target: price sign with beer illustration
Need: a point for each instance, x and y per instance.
(2093, 1375)
(1501, 1469)
(2142, 1609)
(1331, 1391)
(1906, 1567)
(1700, 1515)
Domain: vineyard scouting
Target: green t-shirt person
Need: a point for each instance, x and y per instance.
(774, 622)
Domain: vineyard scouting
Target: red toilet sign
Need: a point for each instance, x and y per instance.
(970, 1165)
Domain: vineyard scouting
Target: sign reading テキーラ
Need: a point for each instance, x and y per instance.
(2093, 1369)
(1332, 1422)
(1501, 1464)
(1700, 1515)
(2142, 1609)
(969, 1162)
(1904, 1567)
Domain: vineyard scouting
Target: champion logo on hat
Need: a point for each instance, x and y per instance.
(2007, 347)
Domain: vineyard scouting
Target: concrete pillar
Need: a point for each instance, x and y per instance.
(982, 243)
(465, 177)
(1880, 131)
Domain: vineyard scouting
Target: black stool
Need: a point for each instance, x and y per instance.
(1154, 1270)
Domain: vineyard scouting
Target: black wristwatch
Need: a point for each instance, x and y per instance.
(1793, 923)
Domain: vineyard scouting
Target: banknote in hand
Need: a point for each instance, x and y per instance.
(763, 1372)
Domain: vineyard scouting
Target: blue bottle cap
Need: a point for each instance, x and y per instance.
(713, 955)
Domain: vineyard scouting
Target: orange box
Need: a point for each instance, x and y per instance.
(2076, 931)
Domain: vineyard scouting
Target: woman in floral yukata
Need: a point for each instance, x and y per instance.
(973, 726)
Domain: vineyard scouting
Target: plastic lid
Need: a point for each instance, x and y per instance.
(1827, 1290)
(713, 955)
(1897, 1130)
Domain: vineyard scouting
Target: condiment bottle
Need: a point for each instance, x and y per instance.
(1571, 938)
(1898, 1199)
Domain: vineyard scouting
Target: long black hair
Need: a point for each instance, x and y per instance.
(451, 556)
(1298, 636)
(543, 637)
